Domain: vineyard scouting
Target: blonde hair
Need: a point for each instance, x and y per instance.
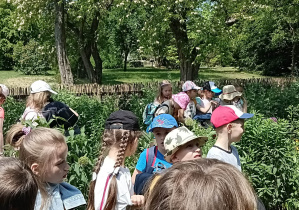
(163, 84)
(124, 139)
(38, 147)
(38, 100)
(205, 183)
(18, 187)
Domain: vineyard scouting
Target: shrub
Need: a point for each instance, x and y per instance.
(267, 149)
(30, 58)
(270, 160)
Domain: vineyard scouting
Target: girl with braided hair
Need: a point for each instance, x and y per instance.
(111, 187)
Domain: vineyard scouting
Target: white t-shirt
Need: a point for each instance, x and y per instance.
(190, 111)
(123, 181)
(30, 114)
(231, 157)
(205, 103)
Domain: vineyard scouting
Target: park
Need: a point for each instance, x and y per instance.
(102, 56)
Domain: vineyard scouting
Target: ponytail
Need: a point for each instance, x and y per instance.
(15, 136)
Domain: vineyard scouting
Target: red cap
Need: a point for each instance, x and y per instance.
(227, 114)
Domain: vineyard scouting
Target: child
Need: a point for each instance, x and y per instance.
(161, 126)
(229, 125)
(44, 150)
(205, 183)
(231, 96)
(206, 105)
(182, 99)
(182, 144)
(18, 186)
(40, 93)
(40, 105)
(111, 186)
(3, 95)
(165, 92)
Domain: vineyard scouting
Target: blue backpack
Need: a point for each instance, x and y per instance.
(150, 112)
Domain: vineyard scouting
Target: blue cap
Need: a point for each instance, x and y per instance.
(163, 121)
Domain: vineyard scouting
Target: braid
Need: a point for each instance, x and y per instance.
(123, 146)
(101, 156)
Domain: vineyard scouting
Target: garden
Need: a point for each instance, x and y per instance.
(269, 150)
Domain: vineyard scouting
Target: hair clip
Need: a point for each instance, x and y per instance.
(26, 130)
(94, 176)
(115, 171)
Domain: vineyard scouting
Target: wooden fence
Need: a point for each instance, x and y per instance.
(101, 90)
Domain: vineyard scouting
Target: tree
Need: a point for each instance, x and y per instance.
(31, 11)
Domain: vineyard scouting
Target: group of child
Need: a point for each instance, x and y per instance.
(170, 175)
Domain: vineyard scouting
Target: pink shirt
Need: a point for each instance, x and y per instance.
(1, 112)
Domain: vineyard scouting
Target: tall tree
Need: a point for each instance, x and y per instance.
(29, 10)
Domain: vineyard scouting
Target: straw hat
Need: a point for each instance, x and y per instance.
(229, 93)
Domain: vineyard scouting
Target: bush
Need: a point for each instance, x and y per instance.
(267, 149)
(270, 160)
(30, 58)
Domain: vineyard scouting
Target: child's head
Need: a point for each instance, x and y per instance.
(161, 126)
(18, 187)
(210, 89)
(165, 91)
(229, 122)
(121, 134)
(40, 93)
(229, 94)
(191, 89)
(3, 93)
(239, 89)
(208, 183)
(44, 150)
(182, 144)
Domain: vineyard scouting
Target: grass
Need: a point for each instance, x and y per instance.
(132, 75)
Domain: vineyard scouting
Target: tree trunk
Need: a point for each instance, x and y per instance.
(98, 63)
(63, 62)
(188, 67)
(126, 59)
(87, 64)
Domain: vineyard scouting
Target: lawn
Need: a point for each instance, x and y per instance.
(118, 76)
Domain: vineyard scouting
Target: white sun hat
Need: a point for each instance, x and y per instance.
(41, 86)
(5, 90)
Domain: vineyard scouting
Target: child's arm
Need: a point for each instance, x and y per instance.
(181, 116)
(136, 171)
(1, 137)
(244, 105)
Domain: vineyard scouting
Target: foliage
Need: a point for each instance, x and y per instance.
(270, 160)
(267, 149)
(30, 58)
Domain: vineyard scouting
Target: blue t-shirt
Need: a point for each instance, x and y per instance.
(141, 164)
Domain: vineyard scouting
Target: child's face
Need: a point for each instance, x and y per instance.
(237, 130)
(167, 92)
(189, 151)
(209, 94)
(193, 94)
(131, 148)
(58, 167)
(160, 134)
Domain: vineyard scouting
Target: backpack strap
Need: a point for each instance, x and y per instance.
(151, 155)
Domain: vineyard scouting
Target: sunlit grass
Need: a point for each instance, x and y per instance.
(132, 75)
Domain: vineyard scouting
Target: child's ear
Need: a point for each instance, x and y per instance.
(34, 168)
(174, 159)
(229, 127)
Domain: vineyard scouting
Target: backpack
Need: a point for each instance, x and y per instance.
(141, 179)
(150, 112)
(65, 116)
